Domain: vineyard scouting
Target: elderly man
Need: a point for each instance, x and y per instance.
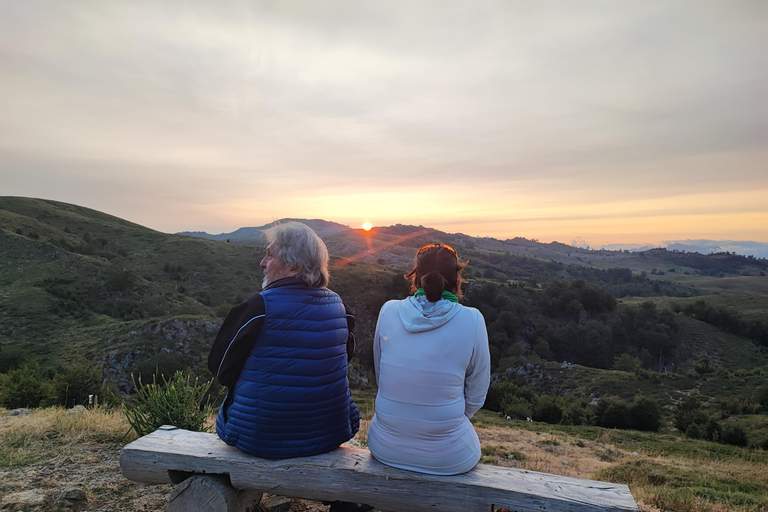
(283, 355)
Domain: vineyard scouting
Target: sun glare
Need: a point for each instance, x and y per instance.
(367, 226)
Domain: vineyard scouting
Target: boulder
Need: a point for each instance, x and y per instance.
(18, 412)
(72, 494)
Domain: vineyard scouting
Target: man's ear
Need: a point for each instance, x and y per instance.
(296, 268)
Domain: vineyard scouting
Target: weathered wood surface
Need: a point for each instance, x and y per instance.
(353, 475)
(211, 494)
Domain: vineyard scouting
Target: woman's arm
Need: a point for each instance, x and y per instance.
(478, 374)
(377, 348)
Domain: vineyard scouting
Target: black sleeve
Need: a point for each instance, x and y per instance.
(235, 340)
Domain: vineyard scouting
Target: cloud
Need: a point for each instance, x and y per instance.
(595, 102)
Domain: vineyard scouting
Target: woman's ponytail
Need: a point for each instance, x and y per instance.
(433, 285)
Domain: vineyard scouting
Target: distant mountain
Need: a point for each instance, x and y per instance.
(256, 234)
(744, 248)
(515, 258)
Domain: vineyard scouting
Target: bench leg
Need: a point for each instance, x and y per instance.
(211, 493)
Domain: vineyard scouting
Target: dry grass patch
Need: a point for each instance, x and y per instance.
(26, 439)
(51, 449)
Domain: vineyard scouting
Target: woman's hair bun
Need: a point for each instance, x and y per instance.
(433, 285)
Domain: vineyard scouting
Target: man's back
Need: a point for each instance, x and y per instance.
(292, 397)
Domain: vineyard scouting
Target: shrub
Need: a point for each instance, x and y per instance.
(689, 411)
(626, 363)
(496, 394)
(24, 387)
(577, 413)
(645, 414)
(517, 408)
(120, 281)
(733, 434)
(762, 398)
(547, 409)
(73, 386)
(613, 413)
(12, 358)
(179, 402)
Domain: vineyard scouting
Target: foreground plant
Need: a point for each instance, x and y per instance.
(179, 401)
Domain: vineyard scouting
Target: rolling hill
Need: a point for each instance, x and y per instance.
(80, 286)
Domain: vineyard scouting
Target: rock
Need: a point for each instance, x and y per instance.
(18, 412)
(271, 503)
(72, 494)
(23, 499)
(511, 456)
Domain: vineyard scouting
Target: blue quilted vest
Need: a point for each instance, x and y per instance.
(292, 397)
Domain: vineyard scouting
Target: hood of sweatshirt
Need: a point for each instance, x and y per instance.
(419, 315)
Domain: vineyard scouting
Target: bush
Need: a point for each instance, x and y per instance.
(645, 414)
(762, 398)
(24, 387)
(496, 394)
(517, 408)
(689, 411)
(577, 413)
(12, 358)
(72, 387)
(547, 410)
(613, 413)
(178, 402)
(120, 281)
(733, 434)
(626, 363)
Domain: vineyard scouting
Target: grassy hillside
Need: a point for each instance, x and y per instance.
(77, 285)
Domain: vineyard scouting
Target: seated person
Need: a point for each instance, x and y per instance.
(283, 355)
(433, 369)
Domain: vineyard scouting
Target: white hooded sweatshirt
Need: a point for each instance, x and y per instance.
(433, 369)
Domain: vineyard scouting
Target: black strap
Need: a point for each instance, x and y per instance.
(351, 342)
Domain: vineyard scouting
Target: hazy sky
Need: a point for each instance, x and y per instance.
(593, 121)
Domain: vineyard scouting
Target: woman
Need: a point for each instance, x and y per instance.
(432, 368)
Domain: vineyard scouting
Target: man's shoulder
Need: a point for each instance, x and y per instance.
(253, 304)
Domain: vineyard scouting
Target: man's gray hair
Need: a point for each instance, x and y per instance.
(295, 244)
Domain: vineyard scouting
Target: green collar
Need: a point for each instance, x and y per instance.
(445, 295)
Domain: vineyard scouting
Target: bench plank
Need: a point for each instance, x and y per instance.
(354, 475)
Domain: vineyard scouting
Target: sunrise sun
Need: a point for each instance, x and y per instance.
(367, 226)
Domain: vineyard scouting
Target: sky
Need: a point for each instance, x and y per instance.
(592, 122)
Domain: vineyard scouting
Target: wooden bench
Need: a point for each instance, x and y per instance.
(212, 476)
